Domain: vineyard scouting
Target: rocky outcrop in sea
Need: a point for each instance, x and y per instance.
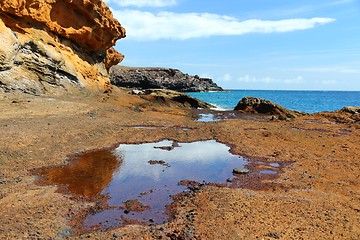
(259, 105)
(162, 78)
(57, 46)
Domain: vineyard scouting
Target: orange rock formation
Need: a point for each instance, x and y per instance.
(65, 43)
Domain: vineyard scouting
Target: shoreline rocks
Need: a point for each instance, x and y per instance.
(169, 98)
(160, 78)
(351, 109)
(259, 105)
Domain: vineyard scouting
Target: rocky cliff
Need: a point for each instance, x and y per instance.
(57, 45)
(164, 78)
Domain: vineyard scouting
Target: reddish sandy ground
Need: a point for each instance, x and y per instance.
(316, 197)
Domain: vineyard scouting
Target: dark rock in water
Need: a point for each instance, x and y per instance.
(163, 78)
(159, 162)
(240, 170)
(169, 97)
(259, 105)
(351, 109)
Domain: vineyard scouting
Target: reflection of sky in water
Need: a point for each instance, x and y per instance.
(202, 155)
(206, 117)
(206, 161)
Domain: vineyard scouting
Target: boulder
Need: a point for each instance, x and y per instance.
(57, 46)
(160, 78)
(259, 105)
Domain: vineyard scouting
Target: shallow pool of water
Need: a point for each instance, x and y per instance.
(206, 117)
(139, 179)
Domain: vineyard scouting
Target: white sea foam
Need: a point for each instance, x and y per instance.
(218, 108)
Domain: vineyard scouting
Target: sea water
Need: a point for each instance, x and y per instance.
(304, 101)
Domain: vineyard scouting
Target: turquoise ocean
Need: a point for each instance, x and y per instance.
(304, 101)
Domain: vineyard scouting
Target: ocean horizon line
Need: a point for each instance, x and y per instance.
(291, 90)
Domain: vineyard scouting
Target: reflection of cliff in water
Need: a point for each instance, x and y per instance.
(140, 179)
(87, 174)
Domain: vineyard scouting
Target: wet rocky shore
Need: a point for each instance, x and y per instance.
(315, 191)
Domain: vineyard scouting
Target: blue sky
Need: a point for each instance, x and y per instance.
(247, 44)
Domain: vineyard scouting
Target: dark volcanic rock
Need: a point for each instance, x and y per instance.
(170, 97)
(163, 78)
(259, 105)
(241, 170)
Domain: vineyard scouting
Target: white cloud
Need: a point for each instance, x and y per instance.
(143, 3)
(226, 77)
(250, 79)
(181, 26)
(268, 80)
(298, 79)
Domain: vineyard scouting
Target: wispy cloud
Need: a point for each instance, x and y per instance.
(181, 26)
(143, 3)
(268, 80)
(338, 2)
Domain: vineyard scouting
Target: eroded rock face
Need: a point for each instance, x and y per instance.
(54, 45)
(162, 78)
(259, 105)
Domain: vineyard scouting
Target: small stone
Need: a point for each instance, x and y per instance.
(240, 170)
(116, 235)
(273, 235)
(282, 118)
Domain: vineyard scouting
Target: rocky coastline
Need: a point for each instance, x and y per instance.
(259, 105)
(58, 100)
(316, 151)
(162, 78)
